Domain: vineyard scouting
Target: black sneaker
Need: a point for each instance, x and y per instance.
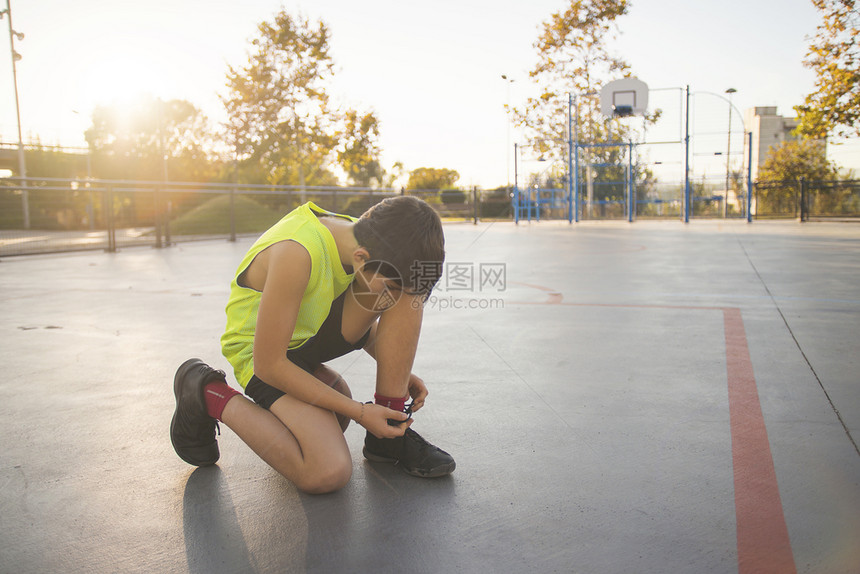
(192, 430)
(415, 455)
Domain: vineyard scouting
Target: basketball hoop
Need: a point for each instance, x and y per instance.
(623, 98)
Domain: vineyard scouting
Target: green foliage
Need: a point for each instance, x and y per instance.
(213, 217)
(496, 204)
(432, 178)
(131, 142)
(834, 199)
(777, 184)
(573, 57)
(11, 210)
(551, 177)
(452, 196)
(279, 122)
(579, 33)
(396, 174)
(54, 209)
(52, 162)
(280, 130)
(796, 159)
(834, 56)
(358, 204)
(360, 150)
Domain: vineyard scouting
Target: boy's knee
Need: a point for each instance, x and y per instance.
(325, 480)
(340, 386)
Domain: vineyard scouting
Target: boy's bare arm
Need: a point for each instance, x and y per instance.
(287, 276)
(395, 342)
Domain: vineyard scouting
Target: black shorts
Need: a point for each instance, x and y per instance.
(326, 345)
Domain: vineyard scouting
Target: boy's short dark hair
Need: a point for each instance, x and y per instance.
(404, 238)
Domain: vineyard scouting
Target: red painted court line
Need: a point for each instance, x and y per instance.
(763, 543)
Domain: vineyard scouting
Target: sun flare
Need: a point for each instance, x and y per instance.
(121, 78)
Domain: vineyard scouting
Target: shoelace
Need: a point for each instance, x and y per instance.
(411, 434)
(204, 430)
(406, 409)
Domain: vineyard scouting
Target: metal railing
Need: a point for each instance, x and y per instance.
(806, 200)
(792, 199)
(75, 215)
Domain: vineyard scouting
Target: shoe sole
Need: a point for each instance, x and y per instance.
(180, 374)
(435, 472)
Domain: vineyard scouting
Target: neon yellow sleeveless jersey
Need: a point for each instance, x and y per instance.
(327, 281)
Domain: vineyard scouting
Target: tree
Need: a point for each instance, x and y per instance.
(360, 149)
(574, 57)
(132, 142)
(55, 208)
(279, 121)
(777, 184)
(48, 161)
(396, 174)
(834, 56)
(432, 178)
(795, 159)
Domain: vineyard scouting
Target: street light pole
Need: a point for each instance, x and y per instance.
(686, 215)
(732, 108)
(730, 91)
(516, 202)
(574, 174)
(22, 164)
(569, 182)
(508, 82)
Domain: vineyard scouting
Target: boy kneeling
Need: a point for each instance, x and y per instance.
(316, 286)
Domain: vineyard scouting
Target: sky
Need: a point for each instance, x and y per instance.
(431, 71)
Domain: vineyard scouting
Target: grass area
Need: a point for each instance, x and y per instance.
(213, 217)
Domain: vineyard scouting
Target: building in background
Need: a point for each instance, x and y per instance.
(769, 129)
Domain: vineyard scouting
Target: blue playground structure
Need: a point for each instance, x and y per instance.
(621, 198)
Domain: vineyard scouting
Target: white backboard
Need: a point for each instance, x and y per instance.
(624, 97)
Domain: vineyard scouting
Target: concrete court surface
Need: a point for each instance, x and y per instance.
(645, 398)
